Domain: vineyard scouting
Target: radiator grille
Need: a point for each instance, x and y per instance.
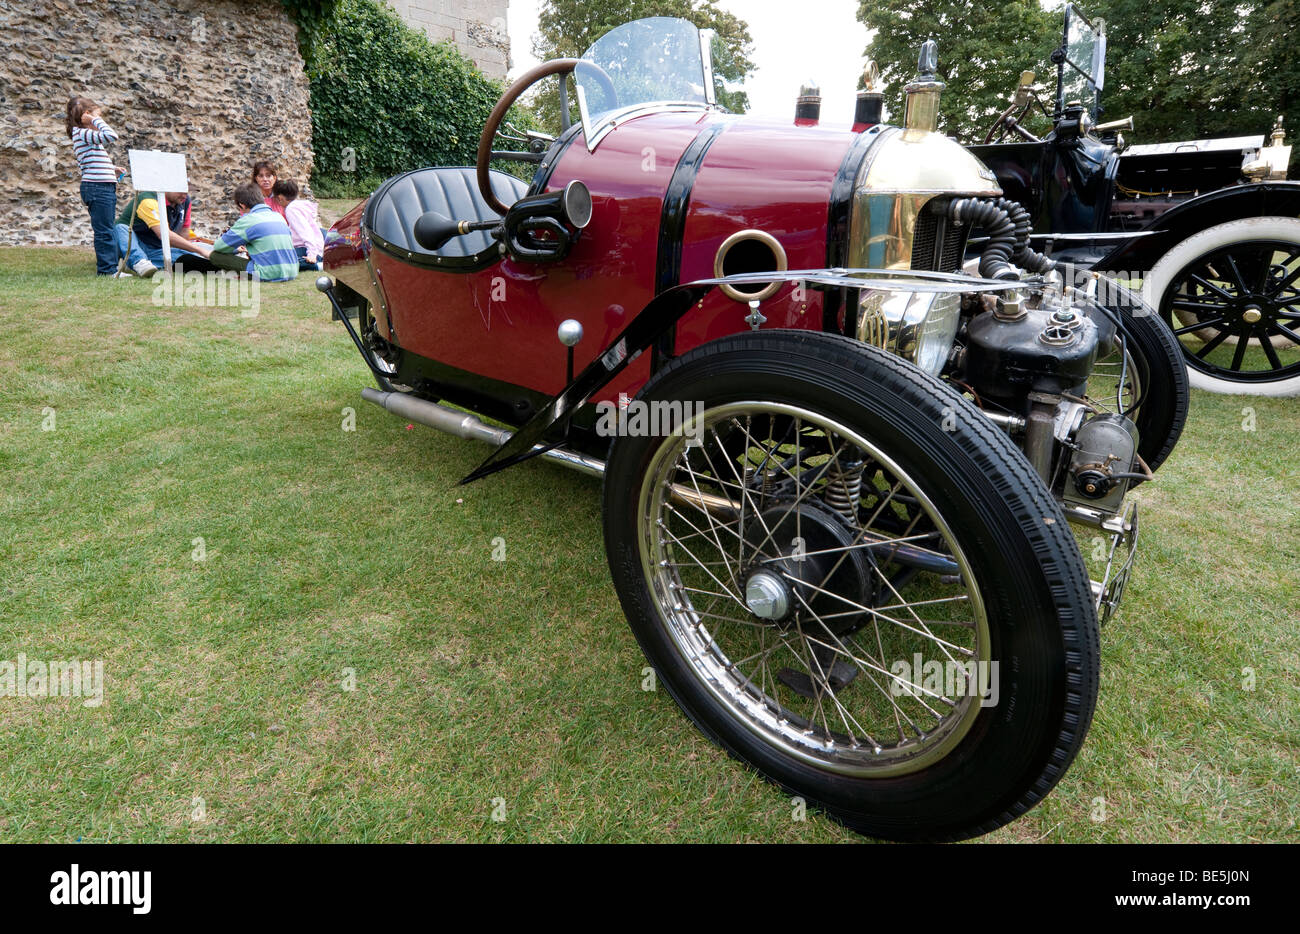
(939, 244)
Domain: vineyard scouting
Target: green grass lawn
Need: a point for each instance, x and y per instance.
(225, 714)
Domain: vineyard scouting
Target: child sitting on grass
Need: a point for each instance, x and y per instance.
(265, 236)
(304, 225)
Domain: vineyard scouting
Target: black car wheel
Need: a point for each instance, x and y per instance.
(1231, 294)
(823, 571)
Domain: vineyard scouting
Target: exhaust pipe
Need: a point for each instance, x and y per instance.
(464, 425)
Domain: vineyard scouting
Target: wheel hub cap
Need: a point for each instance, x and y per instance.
(802, 557)
(1252, 314)
(767, 596)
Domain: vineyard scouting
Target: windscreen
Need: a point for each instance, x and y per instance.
(642, 62)
(1084, 70)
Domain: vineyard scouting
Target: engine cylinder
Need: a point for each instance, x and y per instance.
(1008, 358)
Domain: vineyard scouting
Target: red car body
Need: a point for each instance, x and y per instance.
(500, 321)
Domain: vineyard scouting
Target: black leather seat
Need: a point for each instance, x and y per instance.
(451, 191)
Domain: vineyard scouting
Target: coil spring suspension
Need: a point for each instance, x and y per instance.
(766, 482)
(844, 490)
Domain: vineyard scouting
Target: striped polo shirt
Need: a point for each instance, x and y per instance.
(270, 245)
(92, 158)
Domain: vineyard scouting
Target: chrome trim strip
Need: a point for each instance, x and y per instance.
(614, 118)
(706, 59)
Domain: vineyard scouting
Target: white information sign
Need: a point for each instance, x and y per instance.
(159, 172)
(152, 170)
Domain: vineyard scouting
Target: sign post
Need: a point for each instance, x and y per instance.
(160, 172)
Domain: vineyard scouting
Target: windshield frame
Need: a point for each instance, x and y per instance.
(596, 127)
(1095, 78)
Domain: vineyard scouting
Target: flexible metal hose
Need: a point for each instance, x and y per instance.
(1023, 256)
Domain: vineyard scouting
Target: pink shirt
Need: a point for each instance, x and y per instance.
(274, 205)
(300, 214)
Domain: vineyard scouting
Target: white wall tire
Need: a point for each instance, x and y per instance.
(1231, 293)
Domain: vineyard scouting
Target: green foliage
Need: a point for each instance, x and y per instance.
(385, 100)
(568, 27)
(1184, 69)
(983, 48)
(310, 16)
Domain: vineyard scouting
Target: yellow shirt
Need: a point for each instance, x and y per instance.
(148, 212)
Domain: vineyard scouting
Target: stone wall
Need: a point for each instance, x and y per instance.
(478, 27)
(219, 80)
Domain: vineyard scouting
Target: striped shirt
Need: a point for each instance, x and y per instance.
(270, 245)
(92, 158)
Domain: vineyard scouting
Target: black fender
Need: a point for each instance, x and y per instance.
(1254, 199)
(666, 309)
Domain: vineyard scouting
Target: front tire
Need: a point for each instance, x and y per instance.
(846, 516)
(1231, 295)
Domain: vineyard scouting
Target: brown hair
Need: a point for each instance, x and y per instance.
(77, 108)
(249, 195)
(287, 187)
(258, 166)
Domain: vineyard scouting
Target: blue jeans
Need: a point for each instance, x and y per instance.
(100, 198)
(302, 260)
(121, 233)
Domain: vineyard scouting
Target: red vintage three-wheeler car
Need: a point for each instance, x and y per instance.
(839, 475)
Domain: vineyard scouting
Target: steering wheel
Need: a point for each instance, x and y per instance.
(1006, 122)
(557, 66)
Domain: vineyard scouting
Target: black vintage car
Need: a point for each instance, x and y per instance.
(1211, 227)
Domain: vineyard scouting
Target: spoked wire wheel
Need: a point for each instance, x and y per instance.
(797, 614)
(854, 582)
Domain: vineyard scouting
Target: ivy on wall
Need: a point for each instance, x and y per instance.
(311, 16)
(384, 99)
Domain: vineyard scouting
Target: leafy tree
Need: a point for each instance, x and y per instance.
(1188, 69)
(1184, 69)
(568, 27)
(983, 47)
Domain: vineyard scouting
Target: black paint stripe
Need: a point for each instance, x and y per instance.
(837, 220)
(672, 227)
(548, 164)
(677, 202)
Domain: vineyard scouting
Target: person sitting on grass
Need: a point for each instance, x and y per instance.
(141, 242)
(261, 233)
(301, 216)
(264, 177)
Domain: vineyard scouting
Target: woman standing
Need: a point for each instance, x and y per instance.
(89, 133)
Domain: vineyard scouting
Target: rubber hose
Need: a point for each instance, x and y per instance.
(995, 260)
(1023, 255)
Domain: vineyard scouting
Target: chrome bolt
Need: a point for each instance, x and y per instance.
(767, 596)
